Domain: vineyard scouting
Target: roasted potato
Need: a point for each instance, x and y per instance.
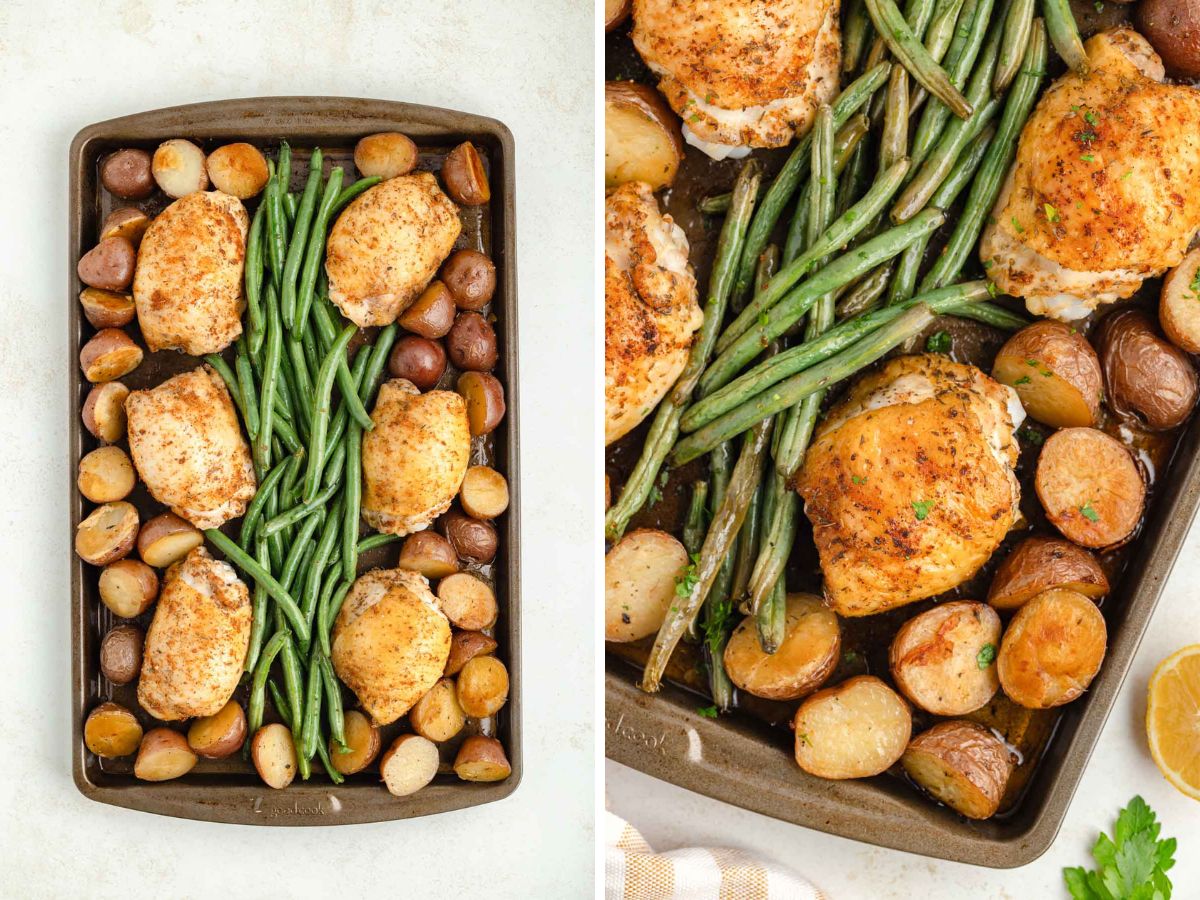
(105, 474)
(387, 154)
(1055, 372)
(467, 601)
(1179, 304)
(961, 764)
(471, 279)
(126, 174)
(166, 539)
(1052, 649)
(616, 12)
(179, 168)
(163, 755)
(121, 654)
(109, 354)
(1038, 564)
(481, 758)
(219, 735)
(1173, 28)
(642, 138)
(807, 656)
(482, 686)
(238, 169)
(109, 265)
(857, 729)
(429, 553)
(111, 730)
(484, 493)
(466, 181)
(941, 660)
(471, 343)
(640, 573)
(362, 744)
(409, 764)
(465, 646)
(274, 755)
(1090, 487)
(418, 359)
(438, 715)
(128, 587)
(472, 539)
(128, 222)
(106, 309)
(1149, 380)
(104, 411)
(485, 401)
(432, 314)
(107, 534)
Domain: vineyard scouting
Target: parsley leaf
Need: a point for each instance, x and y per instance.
(1034, 437)
(1132, 864)
(1024, 379)
(709, 712)
(1051, 212)
(1017, 226)
(921, 508)
(859, 479)
(686, 580)
(941, 342)
(1091, 118)
(986, 655)
(1089, 513)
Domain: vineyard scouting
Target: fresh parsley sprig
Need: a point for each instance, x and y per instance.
(1132, 864)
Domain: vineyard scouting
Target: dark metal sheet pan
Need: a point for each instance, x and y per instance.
(229, 790)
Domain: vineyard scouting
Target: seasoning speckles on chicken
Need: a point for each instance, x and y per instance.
(741, 73)
(188, 283)
(188, 448)
(650, 309)
(1104, 190)
(909, 482)
(387, 245)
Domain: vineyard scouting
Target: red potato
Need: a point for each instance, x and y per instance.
(109, 354)
(1173, 28)
(857, 729)
(109, 265)
(962, 765)
(220, 735)
(121, 654)
(106, 474)
(106, 309)
(274, 755)
(467, 601)
(104, 411)
(804, 660)
(1179, 304)
(471, 279)
(238, 169)
(111, 731)
(484, 493)
(616, 12)
(471, 343)
(465, 646)
(432, 314)
(483, 686)
(1150, 381)
(387, 154)
(466, 182)
(362, 744)
(472, 539)
(419, 360)
(1055, 372)
(164, 755)
(179, 168)
(429, 553)
(126, 174)
(1038, 564)
(128, 587)
(438, 715)
(409, 764)
(640, 574)
(481, 758)
(642, 137)
(107, 534)
(128, 222)
(941, 659)
(485, 401)
(166, 539)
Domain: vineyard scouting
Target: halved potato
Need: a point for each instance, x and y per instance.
(1090, 487)
(109, 354)
(178, 168)
(409, 764)
(1038, 564)
(1052, 649)
(482, 686)
(961, 764)
(166, 539)
(857, 729)
(642, 139)
(106, 309)
(640, 572)
(104, 411)
(942, 659)
(484, 493)
(1179, 304)
(438, 715)
(128, 222)
(273, 753)
(111, 730)
(220, 735)
(807, 656)
(362, 744)
(481, 758)
(387, 154)
(128, 587)
(107, 534)
(616, 12)
(468, 602)
(239, 169)
(429, 553)
(106, 474)
(1056, 373)
(163, 755)
(1150, 381)
(465, 646)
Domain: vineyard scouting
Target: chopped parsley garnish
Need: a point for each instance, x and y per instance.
(1034, 437)
(1099, 5)
(1024, 379)
(939, 342)
(1091, 118)
(1017, 225)
(686, 580)
(1051, 213)
(709, 712)
(1088, 157)
(1089, 513)
(921, 508)
(986, 655)
(859, 479)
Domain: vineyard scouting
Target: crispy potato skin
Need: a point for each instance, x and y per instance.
(961, 764)
(805, 659)
(854, 730)
(1149, 380)
(1179, 308)
(935, 657)
(1055, 372)
(1040, 563)
(639, 583)
(634, 115)
(1173, 27)
(1052, 649)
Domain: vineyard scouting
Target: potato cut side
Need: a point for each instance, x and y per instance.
(107, 534)
(409, 764)
(104, 411)
(857, 729)
(128, 587)
(1179, 305)
(1038, 564)
(220, 735)
(467, 601)
(805, 659)
(640, 574)
(164, 755)
(106, 474)
(274, 755)
(483, 686)
(166, 539)
(111, 730)
(942, 660)
(481, 758)
(362, 745)
(429, 553)
(961, 764)
(1055, 372)
(1090, 487)
(484, 493)
(465, 646)
(438, 715)
(642, 139)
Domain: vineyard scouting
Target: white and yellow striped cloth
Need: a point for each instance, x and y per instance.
(633, 871)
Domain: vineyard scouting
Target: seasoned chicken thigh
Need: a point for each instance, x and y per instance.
(650, 309)
(386, 246)
(197, 642)
(391, 641)
(188, 448)
(415, 458)
(1105, 191)
(741, 73)
(188, 283)
(909, 482)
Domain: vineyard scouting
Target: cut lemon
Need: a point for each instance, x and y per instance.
(1173, 719)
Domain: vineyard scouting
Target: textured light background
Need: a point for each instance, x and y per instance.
(66, 64)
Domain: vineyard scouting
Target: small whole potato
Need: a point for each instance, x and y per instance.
(466, 181)
(121, 654)
(106, 474)
(1149, 380)
(220, 735)
(104, 411)
(482, 686)
(471, 343)
(1173, 28)
(472, 539)
(178, 168)
(128, 222)
(109, 265)
(126, 174)
(111, 731)
(418, 359)
(432, 314)
(471, 279)
(238, 169)
(485, 401)
(386, 154)
(429, 553)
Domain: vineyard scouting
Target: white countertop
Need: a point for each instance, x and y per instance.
(66, 64)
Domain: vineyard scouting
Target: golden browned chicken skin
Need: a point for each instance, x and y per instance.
(386, 246)
(1105, 191)
(909, 482)
(650, 309)
(741, 73)
(197, 642)
(188, 447)
(188, 283)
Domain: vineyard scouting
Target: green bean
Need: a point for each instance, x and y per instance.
(864, 296)
(918, 13)
(665, 426)
(325, 326)
(1064, 34)
(247, 564)
(771, 618)
(290, 203)
(334, 775)
(1017, 25)
(303, 379)
(374, 371)
(893, 143)
(293, 683)
(316, 246)
(990, 314)
(259, 608)
(285, 167)
(855, 30)
(299, 555)
(254, 511)
(275, 542)
(276, 236)
(245, 373)
(300, 235)
(333, 693)
(806, 383)
(271, 364)
(911, 53)
(747, 547)
(717, 607)
(252, 278)
(938, 38)
(313, 690)
(845, 144)
(335, 467)
(376, 540)
(327, 614)
(316, 566)
(694, 524)
(232, 384)
(298, 512)
(254, 708)
(353, 510)
(774, 549)
(349, 193)
(322, 401)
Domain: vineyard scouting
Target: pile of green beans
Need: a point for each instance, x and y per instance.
(304, 404)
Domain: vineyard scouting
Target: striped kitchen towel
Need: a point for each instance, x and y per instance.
(633, 871)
